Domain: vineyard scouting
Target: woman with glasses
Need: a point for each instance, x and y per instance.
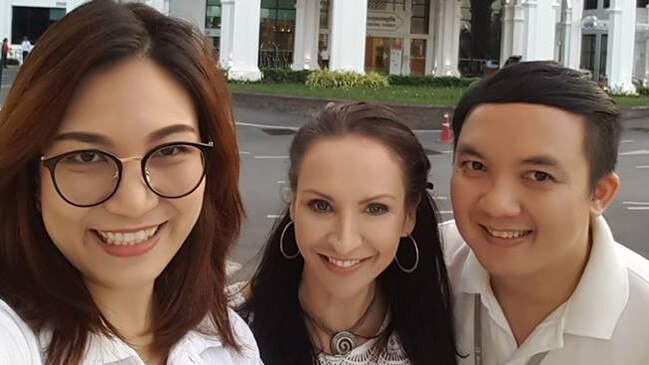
(118, 182)
(353, 272)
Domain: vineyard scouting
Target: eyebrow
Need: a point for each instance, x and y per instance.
(94, 138)
(366, 200)
(466, 149)
(542, 160)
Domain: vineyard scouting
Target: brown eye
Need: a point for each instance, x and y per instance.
(377, 209)
(320, 206)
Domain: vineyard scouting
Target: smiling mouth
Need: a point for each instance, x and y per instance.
(132, 238)
(506, 234)
(342, 263)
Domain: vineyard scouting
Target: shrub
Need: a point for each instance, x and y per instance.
(346, 79)
(284, 76)
(643, 90)
(441, 81)
(12, 62)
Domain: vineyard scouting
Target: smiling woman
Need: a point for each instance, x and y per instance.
(119, 182)
(353, 272)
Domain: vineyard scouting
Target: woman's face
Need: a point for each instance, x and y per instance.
(128, 240)
(349, 212)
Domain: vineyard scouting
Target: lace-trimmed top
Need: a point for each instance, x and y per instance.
(366, 353)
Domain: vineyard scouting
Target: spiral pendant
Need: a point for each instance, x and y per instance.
(342, 343)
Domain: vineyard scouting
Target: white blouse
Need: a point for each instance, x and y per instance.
(19, 345)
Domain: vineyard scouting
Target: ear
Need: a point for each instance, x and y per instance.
(603, 193)
(291, 208)
(409, 223)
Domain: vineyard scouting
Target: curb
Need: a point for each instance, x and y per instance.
(415, 116)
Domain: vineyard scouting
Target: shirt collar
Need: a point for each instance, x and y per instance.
(601, 294)
(103, 350)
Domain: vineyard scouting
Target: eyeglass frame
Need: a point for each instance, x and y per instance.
(51, 162)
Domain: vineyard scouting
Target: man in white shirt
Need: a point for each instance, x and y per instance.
(536, 274)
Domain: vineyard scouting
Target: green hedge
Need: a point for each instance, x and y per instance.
(346, 79)
(643, 90)
(283, 76)
(12, 62)
(441, 81)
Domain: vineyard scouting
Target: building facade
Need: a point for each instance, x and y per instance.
(609, 38)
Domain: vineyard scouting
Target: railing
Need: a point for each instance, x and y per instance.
(270, 56)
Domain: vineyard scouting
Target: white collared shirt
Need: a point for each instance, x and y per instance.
(605, 321)
(20, 346)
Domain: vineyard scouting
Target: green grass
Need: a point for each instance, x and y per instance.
(393, 94)
(398, 94)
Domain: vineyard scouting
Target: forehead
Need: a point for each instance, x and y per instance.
(519, 130)
(351, 165)
(129, 100)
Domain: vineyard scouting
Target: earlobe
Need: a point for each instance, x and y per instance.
(603, 193)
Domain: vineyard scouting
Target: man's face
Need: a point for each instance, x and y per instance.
(520, 188)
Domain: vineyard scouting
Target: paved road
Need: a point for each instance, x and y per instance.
(264, 164)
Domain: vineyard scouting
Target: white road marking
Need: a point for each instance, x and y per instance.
(634, 153)
(627, 141)
(445, 212)
(635, 203)
(270, 157)
(266, 126)
(642, 167)
(273, 216)
(638, 208)
(244, 153)
(440, 197)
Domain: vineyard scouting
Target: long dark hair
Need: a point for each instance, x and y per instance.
(35, 278)
(419, 303)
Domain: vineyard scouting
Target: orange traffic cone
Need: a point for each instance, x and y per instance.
(446, 136)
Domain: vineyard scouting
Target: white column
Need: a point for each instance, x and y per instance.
(507, 31)
(347, 37)
(448, 40)
(159, 5)
(566, 27)
(621, 41)
(518, 30)
(73, 4)
(646, 63)
(575, 34)
(540, 25)
(240, 38)
(5, 20)
(430, 39)
(307, 27)
(227, 27)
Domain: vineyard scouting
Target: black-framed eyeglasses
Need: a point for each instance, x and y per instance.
(89, 177)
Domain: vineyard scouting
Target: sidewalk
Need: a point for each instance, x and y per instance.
(416, 116)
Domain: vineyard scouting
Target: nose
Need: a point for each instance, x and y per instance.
(133, 197)
(501, 199)
(347, 235)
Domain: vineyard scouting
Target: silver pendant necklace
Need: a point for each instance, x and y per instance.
(342, 342)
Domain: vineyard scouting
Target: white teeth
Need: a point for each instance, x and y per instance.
(127, 239)
(506, 234)
(343, 263)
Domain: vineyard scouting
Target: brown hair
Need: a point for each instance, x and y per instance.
(35, 278)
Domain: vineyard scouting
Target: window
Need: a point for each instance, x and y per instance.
(420, 16)
(213, 14)
(643, 3)
(324, 14)
(590, 4)
(32, 22)
(607, 4)
(276, 33)
(588, 52)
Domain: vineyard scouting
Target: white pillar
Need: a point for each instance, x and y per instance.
(5, 20)
(73, 4)
(448, 40)
(646, 64)
(430, 39)
(621, 41)
(572, 55)
(159, 5)
(566, 27)
(529, 49)
(240, 38)
(307, 27)
(507, 32)
(513, 34)
(347, 37)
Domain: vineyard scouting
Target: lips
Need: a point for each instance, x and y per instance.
(128, 242)
(505, 236)
(342, 266)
